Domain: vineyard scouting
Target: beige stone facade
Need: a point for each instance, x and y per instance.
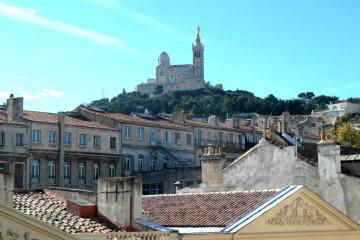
(75, 148)
(165, 151)
(56, 149)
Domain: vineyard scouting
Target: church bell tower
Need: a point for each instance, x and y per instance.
(198, 55)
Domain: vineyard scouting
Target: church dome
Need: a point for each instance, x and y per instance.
(164, 59)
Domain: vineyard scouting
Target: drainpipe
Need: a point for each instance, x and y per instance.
(61, 116)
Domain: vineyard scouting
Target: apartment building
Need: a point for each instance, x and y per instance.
(61, 149)
(166, 150)
(232, 137)
(73, 149)
(13, 151)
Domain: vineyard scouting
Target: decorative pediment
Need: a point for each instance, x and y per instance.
(298, 212)
(10, 234)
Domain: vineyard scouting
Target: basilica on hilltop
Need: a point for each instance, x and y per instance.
(178, 77)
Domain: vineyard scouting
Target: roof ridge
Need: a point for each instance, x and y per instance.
(32, 111)
(213, 193)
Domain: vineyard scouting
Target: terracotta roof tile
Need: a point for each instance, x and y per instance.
(70, 121)
(53, 211)
(202, 209)
(134, 119)
(4, 119)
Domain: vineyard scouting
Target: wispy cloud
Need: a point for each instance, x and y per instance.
(144, 19)
(32, 16)
(42, 93)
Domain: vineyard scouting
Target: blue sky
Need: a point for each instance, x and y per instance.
(59, 54)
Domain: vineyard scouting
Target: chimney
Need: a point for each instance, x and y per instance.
(213, 120)
(279, 127)
(178, 117)
(212, 164)
(120, 200)
(329, 161)
(15, 108)
(232, 122)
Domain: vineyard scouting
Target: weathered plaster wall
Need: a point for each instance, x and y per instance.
(265, 167)
(6, 189)
(351, 192)
(73, 194)
(120, 200)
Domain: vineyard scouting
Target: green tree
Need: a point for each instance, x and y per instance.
(159, 89)
(348, 136)
(306, 96)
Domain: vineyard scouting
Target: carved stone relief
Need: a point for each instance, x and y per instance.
(9, 234)
(298, 213)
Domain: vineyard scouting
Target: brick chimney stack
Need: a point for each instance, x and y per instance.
(15, 108)
(213, 162)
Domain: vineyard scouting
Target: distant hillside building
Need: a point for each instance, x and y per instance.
(178, 77)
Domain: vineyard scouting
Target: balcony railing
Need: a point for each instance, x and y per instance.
(226, 145)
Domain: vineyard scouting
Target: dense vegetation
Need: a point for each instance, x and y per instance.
(208, 101)
(345, 134)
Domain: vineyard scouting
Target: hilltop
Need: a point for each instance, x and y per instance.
(207, 101)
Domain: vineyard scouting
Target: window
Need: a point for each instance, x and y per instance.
(209, 138)
(140, 134)
(19, 139)
(96, 171)
(177, 138)
(153, 136)
(52, 137)
(35, 169)
(188, 139)
(140, 163)
(231, 139)
(219, 140)
(113, 142)
(127, 132)
(188, 183)
(67, 138)
(198, 137)
(153, 165)
(82, 140)
(127, 163)
(51, 170)
(36, 136)
(82, 172)
(165, 137)
(96, 141)
(154, 188)
(67, 170)
(2, 138)
(112, 170)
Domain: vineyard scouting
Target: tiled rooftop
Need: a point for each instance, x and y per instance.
(134, 119)
(202, 209)
(3, 118)
(53, 118)
(163, 122)
(53, 211)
